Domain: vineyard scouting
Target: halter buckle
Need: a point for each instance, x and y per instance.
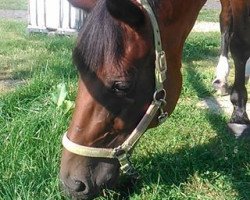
(126, 165)
(162, 61)
(160, 96)
(160, 67)
(162, 117)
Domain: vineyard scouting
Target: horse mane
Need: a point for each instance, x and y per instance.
(100, 39)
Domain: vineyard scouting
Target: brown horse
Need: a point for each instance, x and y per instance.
(222, 69)
(240, 50)
(220, 83)
(115, 55)
(235, 31)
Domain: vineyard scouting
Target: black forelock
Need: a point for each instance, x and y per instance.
(100, 39)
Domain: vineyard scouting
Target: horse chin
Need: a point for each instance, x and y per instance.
(71, 194)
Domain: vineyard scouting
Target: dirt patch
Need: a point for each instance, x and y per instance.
(14, 14)
(219, 105)
(212, 4)
(206, 27)
(9, 85)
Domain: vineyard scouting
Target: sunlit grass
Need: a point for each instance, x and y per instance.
(29, 120)
(209, 15)
(23, 55)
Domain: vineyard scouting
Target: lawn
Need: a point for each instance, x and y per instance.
(14, 4)
(191, 156)
(209, 15)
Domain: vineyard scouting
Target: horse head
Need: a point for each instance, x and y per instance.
(123, 86)
(115, 58)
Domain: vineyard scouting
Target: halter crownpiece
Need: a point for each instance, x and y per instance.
(160, 56)
(123, 152)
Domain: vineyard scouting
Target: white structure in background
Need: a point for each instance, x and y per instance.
(56, 16)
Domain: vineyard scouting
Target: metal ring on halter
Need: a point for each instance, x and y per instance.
(158, 92)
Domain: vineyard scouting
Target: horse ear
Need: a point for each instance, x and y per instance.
(126, 11)
(86, 5)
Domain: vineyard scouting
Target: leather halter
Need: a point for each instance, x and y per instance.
(123, 152)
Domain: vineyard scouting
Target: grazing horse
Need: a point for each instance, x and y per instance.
(129, 80)
(240, 50)
(222, 69)
(220, 83)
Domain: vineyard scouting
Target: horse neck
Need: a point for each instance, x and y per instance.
(174, 28)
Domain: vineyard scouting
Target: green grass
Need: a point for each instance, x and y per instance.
(191, 156)
(14, 4)
(23, 56)
(209, 15)
(29, 120)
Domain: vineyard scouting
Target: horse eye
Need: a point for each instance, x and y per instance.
(121, 88)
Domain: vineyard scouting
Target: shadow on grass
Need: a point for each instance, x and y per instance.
(221, 156)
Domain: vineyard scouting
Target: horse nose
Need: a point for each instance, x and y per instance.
(81, 187)
(78, 186)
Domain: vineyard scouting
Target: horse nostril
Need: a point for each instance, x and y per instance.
(80, 186)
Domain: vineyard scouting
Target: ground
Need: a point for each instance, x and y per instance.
(212, 4)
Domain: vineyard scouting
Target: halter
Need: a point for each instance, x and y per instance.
(123, 152)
